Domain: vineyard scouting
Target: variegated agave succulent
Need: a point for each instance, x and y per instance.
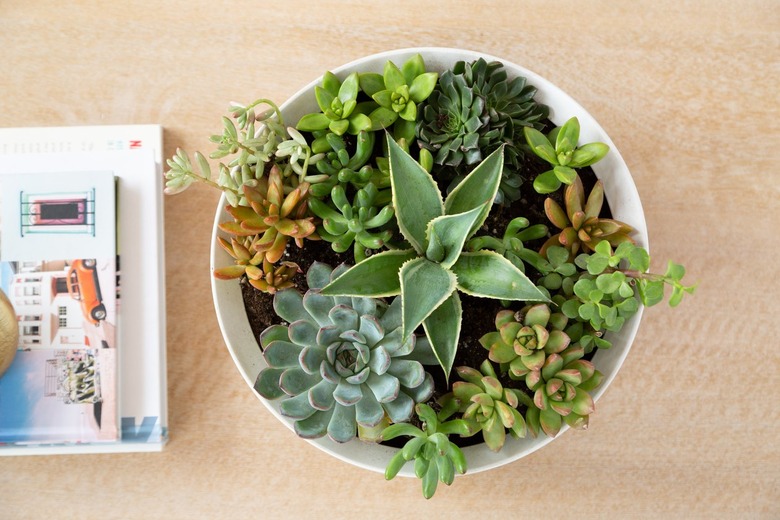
(343, 362)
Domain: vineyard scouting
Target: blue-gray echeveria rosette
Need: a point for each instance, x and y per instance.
(342, 361)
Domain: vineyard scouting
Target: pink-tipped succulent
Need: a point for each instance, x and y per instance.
(272, 215)
(487, 405)
(561, 392)
(525, 339)
(580, 225)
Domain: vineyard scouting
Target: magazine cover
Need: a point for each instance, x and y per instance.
(58, 269)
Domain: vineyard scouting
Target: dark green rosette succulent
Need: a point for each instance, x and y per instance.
(342, 362)
(450, 122)
(476, 109)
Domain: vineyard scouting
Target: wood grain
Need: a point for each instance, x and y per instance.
(688, 92)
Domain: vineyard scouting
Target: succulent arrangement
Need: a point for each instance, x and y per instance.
(478, 269)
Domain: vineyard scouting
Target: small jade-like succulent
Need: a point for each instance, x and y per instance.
(342, 362)
(525, 339)
(560, 149)
(429, 275)
(360, 223)
(510, 245)
(339, 167)
(561, 392)
(580, 225)
(278, 217)
(489, 406)
(337, 101)
(435, 457)
(398, 93)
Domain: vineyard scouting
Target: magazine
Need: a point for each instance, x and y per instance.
(130, 318)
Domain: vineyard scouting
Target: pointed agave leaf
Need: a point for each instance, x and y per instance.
(489, 275)
(376, 276)
(416, 197)
(424, 286)
(442, 328)
(479, 186)
(448, 233)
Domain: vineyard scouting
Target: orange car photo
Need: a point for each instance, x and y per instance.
(83, 285)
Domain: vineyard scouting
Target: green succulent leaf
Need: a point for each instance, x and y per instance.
(479, 186)
(490, 275)
(313, 122)
(422, 86)
(447, 234)
(376, 276)
(588, 154)
(371, 83)
(547, 182)
(540, 145)
(568, 136)
(412, 68)
(442, 327)
(424, 286)
(416, 196)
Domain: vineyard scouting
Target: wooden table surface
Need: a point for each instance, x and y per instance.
(688, 91)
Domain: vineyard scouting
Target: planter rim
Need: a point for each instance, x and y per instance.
(621, 194)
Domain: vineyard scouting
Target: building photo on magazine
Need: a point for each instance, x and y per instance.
(58, 270)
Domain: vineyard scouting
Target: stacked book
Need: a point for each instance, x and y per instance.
(81, 261)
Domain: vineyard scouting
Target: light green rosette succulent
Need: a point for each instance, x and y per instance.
(342, 362)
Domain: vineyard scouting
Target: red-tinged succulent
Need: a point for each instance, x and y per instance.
(525, 339)
(261, 273)
(580, 225)
(272, 215)
(561, 392)
(488, 406)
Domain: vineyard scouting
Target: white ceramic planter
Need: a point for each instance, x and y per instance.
(620, 192)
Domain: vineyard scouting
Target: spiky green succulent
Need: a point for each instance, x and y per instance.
(524, 339)
(429, 275)
(361, 224)
(561, 392)
(581, 228)
(487, 405)
(435, 457)
(342, 362)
